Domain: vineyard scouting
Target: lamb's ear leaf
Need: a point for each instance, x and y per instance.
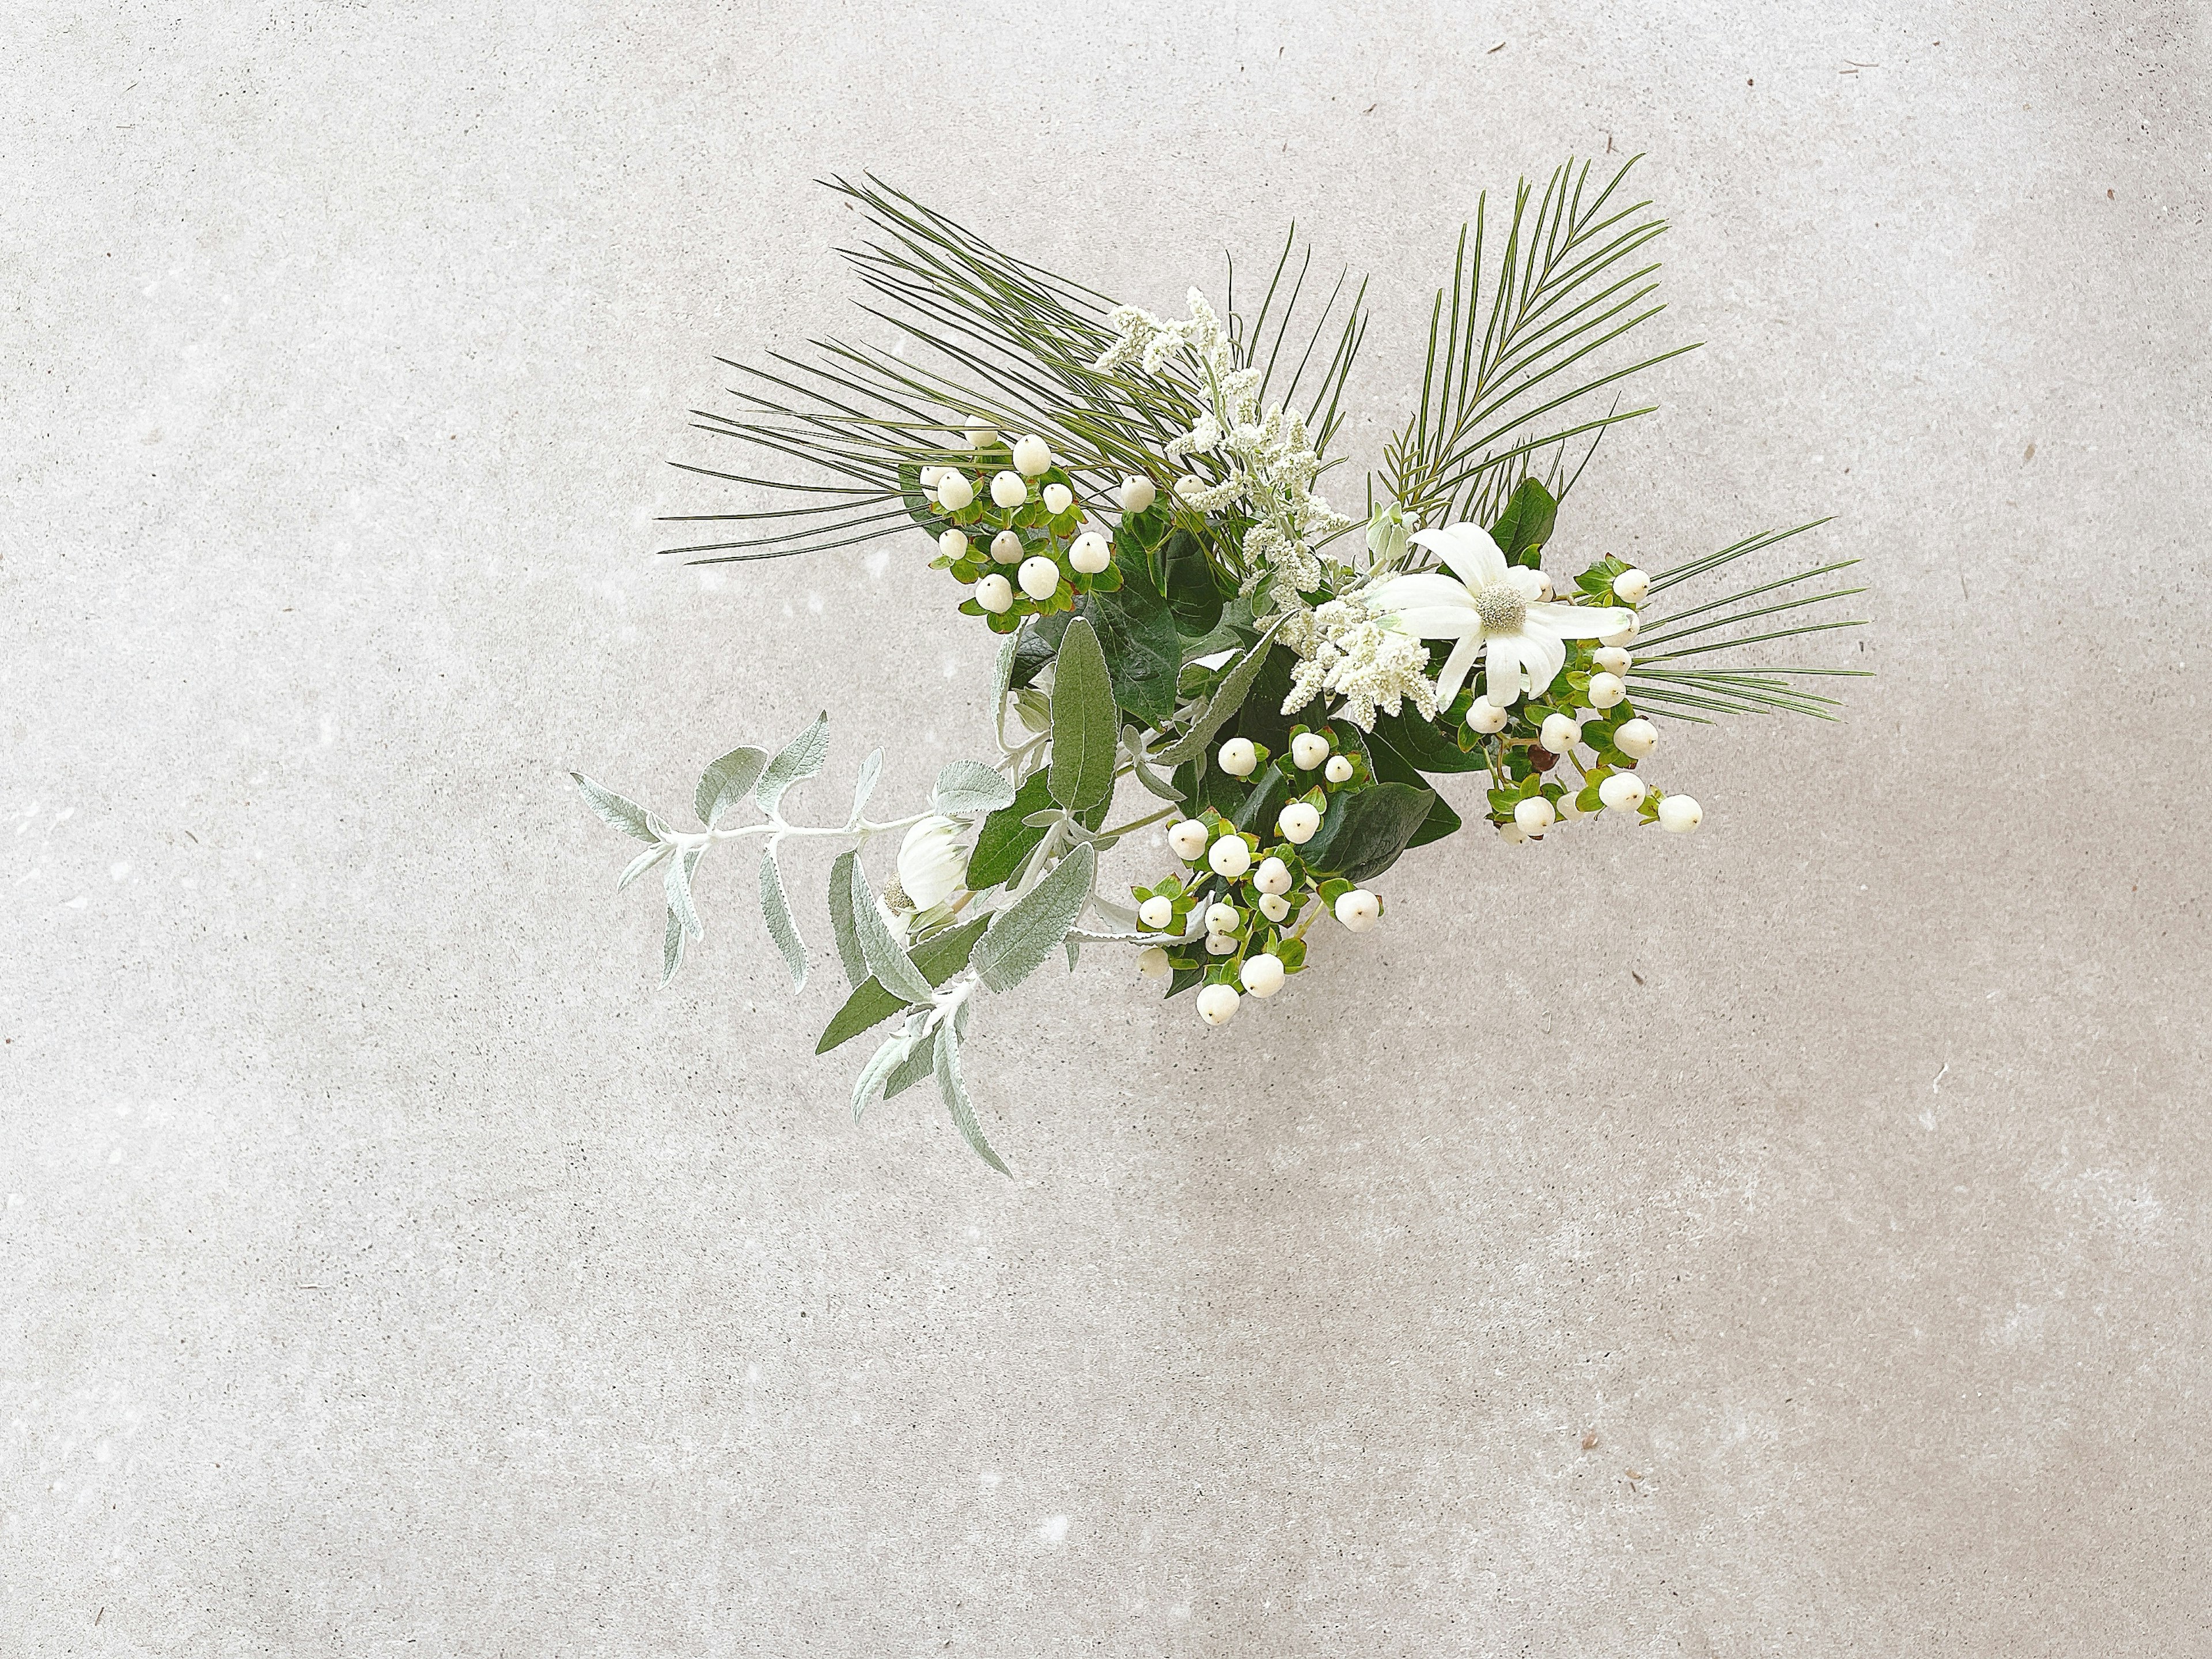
(920, 1061)
(864, 785)
(678, 885)
(623, 814)
(643, 862)
(1086, 736)
(887, 960)
(965, 787)
(671, 947)
(1022, 936)
(775, 908)
(725, 782)
(938, 957)
(841, 920)
(954, 1087)
(802, 757)
(888, 1052)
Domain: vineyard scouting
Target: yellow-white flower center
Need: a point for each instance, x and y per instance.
(1501, 607)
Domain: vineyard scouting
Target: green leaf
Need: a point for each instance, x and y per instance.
(1144, 652)
(885, 959)
(1084, 733)
(802, 757)
(841, 919)
(1526, 525)
(643, 862)
(865, 786)
(965, 787)
(677, 886)
(1391, 766)
(1005, 840)
(626, 816)
(1002, 680)
(775, 908)
(725, 783)
(919, 506)
(1022, 936)
(920, 1061)
(1426, 745)
(954, 1088)
(1187, 581)
(1035, 647)
(939, 958)
(1362, 834)
(1228, 698)
(671, 947)
(888, 1052)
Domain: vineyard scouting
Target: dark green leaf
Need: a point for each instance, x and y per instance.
(1362, 834)
(1005, 841)
(1187, 581)
(1143, 651)
(939, 958)
(1526, 525)
(1426, 744)
(1391, 766)
(1084, 733)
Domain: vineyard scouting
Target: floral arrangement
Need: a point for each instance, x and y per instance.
(1135, 504)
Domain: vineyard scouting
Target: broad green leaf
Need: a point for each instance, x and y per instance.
(920, 1061)
(885, 958)
(954, 1088)
(802, 757)
(1005, 839)
(841, 920)
(1144, 652)
(939, 958)
(1428, 745)
(677, 884)
(643, 862)
(1228, 697)
(919, 506)
(724, 784)
(1194, 600)
(1022, 936)
(1084, 733)
(1034, 646)
(1391, 766)
(965, 787)
(865, 786)
(626, 816)
(1526, 525)
(888, 1052)
(776, 908)
(1362, 834)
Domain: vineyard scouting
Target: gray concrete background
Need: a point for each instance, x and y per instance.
(391, 1267)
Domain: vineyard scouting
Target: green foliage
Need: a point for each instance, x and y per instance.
(939, 958)
(849, 956)
(1526, 524)
(625, 815)
(886, 960)
(1005, 838)
(1025, 933)
(1084, 733)
(726, 781)
(954, 1087)
(798, 760)
(1137, 634)
(1362, 835)
(965, 787)
(775, 910)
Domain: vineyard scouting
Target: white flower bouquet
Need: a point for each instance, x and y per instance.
(1135, 503)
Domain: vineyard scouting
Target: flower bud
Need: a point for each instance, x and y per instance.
(1559, 733)
(1636, 738)
(1630, 586)
(1152, 963)
(1040, 576)
(953, 543)
(1220, 945)
(1007, 547)
(1008, 490)
(931, 861)
(1216, 1003)
(1274, 876)
(1533, 815)
(1238, 757)
(995, 594)
(1188, 839)
(1359, 909)
(1274, 906)
(1058, 498)
(1222, 919)
(1680, 814)
(1612, 659)
(1607, 689)
(1231, 856)
(1485, 717)
(1090, 553)
(1262, 975)
(1511, 834)
(954, 491)
(981, 434)
(1136, 494)
(1157, 912)
(1623, 791)
(1299, 822)
(1031, 456)
(1309, 750)
(1338, 769)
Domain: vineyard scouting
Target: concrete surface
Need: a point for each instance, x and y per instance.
(1791, 1240)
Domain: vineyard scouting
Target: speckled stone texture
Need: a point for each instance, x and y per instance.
(1790, 1240)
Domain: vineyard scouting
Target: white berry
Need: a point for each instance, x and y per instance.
(1612, 659)
(1511, 834)
(1238, 757)
(1216, 1003)
(1040, 576)
(1188, 839)
(1156, 913)
(1570, 807)
(1624, 791)
(1636, 738)
(1031, 456)
(1274, 876)
(1622, 636)
(1007, 547)
(1152, 963)
(1559, 733)
(995, 594)
(1274, 906)
(1680, 814)
(1359, 909)
(1136, 494)
(1338, 769)
(930, 475)
(1262, 975)
(1630, 586)
(1190, 487)
(1309, 750)
(1533, 815)
(1222, 919)
(1299, 822)
(953, 543)
(981, 434)
(1485, 716)
(1231, 856)
(1058, 498)
(954, 491)
(1220, 945)
(1008, 490)
(1607, 689)
(1090, 553)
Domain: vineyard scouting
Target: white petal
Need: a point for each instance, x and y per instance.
(1526, 582)
(1472, 554)
(1543, 657)
(1578, 621)
(1455, 666)
(1502, 680)
(1429, 606)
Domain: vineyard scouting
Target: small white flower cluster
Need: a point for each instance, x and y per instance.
(1346, 651)
(1267, 457)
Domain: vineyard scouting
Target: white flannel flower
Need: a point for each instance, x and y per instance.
(933, 861)
(1488, 608)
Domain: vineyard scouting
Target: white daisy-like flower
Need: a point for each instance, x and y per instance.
(1488, 608)
(933, 861)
